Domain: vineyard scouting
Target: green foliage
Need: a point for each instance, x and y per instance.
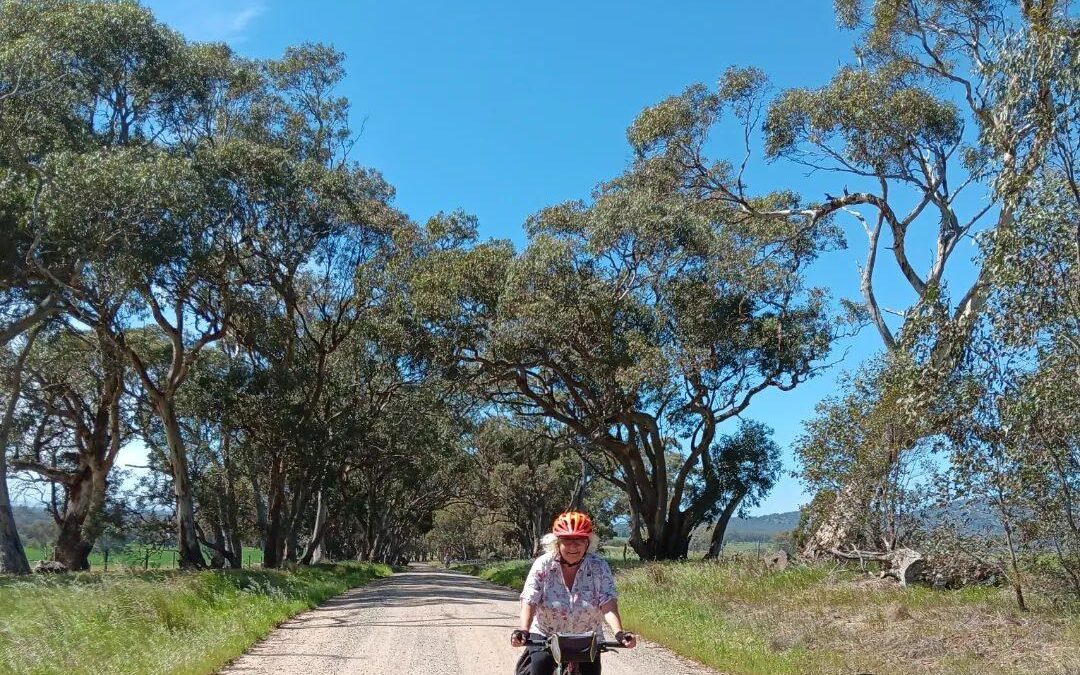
(874, 119)
(943, 97)
(650, 311)
(749, 463)
(1015, 446)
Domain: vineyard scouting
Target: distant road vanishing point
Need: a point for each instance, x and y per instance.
(421, 622)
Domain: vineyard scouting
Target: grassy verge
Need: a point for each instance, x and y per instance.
(740, 618)
(155, 622)
(511, 574)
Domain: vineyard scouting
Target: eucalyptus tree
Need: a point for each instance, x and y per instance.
(748, 462)
(939, 125)
(319, 234)
(32, 89)
(402, 437)
(116, 179)
(210, 410)
(74, 426)
(1016, 447)
(404, 462)
(537, 476)
(954, 108)
(643, 320)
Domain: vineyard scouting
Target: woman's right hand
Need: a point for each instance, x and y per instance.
(518, 638)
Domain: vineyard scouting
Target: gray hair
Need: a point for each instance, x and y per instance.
(551, 543)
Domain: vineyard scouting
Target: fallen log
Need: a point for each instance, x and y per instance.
(905, 564)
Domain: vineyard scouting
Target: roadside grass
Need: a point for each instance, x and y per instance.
(740, 617)
(511, 574)
(155, 622)
(137, 557)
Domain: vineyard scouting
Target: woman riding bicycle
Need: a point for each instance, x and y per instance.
(570, 589)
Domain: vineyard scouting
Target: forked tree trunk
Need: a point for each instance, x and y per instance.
(80, 524)
(231, 533)
(669, 542)
(261, 522)
(292, 523)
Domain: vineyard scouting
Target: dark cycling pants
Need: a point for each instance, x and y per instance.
(544, 664)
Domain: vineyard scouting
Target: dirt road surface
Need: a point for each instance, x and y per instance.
(421, 622)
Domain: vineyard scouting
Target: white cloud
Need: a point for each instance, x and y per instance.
(210, 20)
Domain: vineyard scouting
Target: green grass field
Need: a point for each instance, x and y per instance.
(163, 622)
(739, 617)
(134, 557)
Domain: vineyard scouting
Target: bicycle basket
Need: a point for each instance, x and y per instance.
(573, 647)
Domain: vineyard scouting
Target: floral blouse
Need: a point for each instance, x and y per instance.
(575, 610)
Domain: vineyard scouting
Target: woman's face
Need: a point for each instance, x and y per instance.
(572, 550)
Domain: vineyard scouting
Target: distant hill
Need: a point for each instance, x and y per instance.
(29, 515)
(762, 528)
(36, 527)
(756, 528)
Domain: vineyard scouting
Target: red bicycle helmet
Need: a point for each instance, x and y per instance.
(572, 525)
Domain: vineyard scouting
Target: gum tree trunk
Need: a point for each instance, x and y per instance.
(80, 524)
(716, 544)
(314, 547)
(187, 538)
(274, 543)
(12, 556)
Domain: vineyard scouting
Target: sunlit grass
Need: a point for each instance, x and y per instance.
(154, 622)
(740, 617)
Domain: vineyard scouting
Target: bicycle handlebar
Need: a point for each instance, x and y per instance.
(603, 645)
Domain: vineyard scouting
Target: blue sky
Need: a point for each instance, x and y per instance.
(502, 108)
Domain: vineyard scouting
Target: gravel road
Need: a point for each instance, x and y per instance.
(421, 622)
